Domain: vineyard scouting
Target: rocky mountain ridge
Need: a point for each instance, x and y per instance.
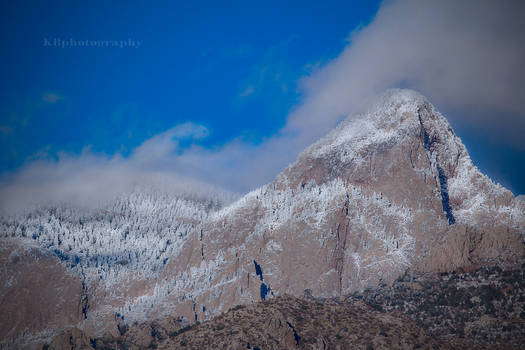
(477, 309)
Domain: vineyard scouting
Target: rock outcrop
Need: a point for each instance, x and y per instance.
(283, 323)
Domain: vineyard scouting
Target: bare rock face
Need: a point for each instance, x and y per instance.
(71, 339)
(388, 191)
(38, 295)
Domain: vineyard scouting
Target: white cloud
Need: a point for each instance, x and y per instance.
(89, 180)
(165, 145)
(465, 56)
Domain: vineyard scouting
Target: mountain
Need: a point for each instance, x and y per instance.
(389, 191)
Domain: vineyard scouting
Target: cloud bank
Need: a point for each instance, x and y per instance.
(465, 56)
(91, 180)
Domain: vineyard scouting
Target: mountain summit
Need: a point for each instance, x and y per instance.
(388, 191)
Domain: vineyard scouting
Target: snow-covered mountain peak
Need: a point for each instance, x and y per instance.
(402, 135)
(391, 116)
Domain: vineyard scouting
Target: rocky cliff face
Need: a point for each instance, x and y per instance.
(37, 294)
(387, 191)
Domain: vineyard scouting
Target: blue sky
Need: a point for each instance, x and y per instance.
(240, 85)
(232, 67)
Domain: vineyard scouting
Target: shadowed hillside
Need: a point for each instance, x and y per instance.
(478, 309)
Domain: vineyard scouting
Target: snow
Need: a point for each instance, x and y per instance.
(136, 232)
(382, 123)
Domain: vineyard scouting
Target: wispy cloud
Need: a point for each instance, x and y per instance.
(269, 70)
(51, 97)
(248, 91)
